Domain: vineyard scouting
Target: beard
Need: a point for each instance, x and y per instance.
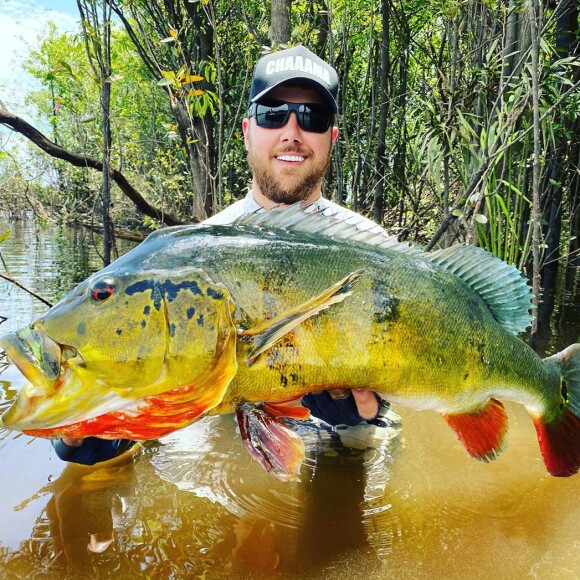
(280, 188)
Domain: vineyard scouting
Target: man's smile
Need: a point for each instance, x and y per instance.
(290, 158)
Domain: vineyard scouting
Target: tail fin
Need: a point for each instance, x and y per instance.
(559, 437)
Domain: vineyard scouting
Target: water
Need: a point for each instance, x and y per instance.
(195, 505)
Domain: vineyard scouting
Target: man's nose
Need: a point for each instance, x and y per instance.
(291, 130)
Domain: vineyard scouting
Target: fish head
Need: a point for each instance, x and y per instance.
(118, 337)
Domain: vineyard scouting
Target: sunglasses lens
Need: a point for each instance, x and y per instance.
(271, 116)
(311, 117)
(315, 118)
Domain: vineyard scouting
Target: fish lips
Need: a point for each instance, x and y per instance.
(37, 357)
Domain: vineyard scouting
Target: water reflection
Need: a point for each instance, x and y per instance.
(194, 504)
(156, 513)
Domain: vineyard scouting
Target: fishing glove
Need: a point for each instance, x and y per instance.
(92, 450)
(341, 411)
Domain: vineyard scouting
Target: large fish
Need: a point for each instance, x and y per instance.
(215, 319)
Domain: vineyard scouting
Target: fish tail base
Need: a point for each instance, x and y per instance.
(560, 444)
(559, 431)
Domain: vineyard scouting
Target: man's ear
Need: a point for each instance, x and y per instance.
(334, 134)
(245, 130)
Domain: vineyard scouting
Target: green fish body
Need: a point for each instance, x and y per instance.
(216, 319)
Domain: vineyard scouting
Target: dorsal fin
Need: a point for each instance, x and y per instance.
(502, 286)
(305, 219)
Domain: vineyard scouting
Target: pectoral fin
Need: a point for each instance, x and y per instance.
(482, 432)
(268, 333)
(275, 446)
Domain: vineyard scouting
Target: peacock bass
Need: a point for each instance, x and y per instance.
(247, 318)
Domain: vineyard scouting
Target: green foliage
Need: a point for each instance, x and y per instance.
(456, 108)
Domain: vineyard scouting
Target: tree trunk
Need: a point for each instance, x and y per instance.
(192, 49)
(97, 36)
(108, 234)
(559, 164)
(384, 101)
(280, 25)
(534, 18)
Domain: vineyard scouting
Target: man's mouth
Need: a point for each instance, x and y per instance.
(290, 158)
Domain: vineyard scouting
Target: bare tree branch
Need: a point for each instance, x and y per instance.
(24, 128)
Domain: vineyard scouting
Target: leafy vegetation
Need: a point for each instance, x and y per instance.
(437, 114)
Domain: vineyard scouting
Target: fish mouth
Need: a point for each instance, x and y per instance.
(43, 362)
(38, 357)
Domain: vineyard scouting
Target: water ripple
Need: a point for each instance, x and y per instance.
(208, 459)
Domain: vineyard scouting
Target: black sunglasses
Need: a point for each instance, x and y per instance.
(273, 114)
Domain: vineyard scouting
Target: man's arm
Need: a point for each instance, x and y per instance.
(90, 450)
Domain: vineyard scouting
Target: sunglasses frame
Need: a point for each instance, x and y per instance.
(297, 108)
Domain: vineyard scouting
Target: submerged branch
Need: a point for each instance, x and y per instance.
(24, 128)
(23, 287)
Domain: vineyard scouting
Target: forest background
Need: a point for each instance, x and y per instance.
(459, 120)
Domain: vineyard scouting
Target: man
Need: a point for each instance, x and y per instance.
(289, 134)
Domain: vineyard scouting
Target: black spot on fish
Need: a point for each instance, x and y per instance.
(385, 303)
(166, 289)
(118, 331)
(143, 324)
(215, 294)
(190, 312)
(143, 286)
(283, 381)
(147, 310)
(200, 320)
(465, 376)
(172, 330)
(171, 290)
(81, 328)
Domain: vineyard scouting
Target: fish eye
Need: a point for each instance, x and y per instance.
(102, 289)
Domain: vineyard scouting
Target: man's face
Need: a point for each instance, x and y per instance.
(288, 164)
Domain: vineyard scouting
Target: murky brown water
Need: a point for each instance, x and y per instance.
(195, 505)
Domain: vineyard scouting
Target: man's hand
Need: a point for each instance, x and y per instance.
(343, 406)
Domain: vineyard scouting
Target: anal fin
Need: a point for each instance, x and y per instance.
(275, 446)
(482, 432)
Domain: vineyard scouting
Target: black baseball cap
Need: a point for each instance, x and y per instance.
(294, 64)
